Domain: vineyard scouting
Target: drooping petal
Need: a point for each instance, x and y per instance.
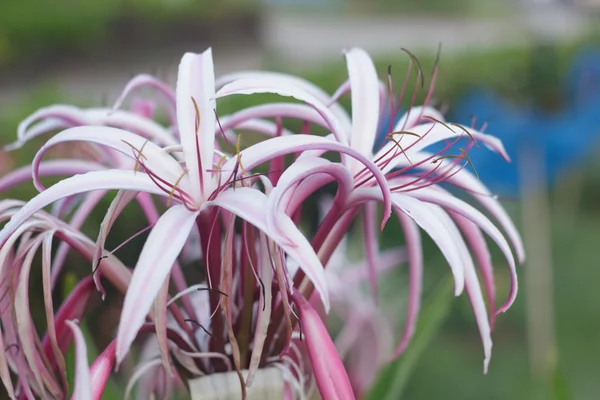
(120, 201)
(160, 319)
(154, 264)
(419, 212)
(63, 116)
(25, 328)
(196, 117)
(287, 89)
(48, 168)
(482, 254)
(465, 180)
(72, 308)
(371, 246)
(415, 283)
(250, 205)
(264, 311)
(145, 80)
(472, 285)
(460, 207)
(83, 383)
(365, 100)
(131, 145)
(4, 371)
(281, 196)
(96, 180)
(309, 87)
(330, 375)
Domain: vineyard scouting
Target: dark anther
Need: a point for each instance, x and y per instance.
(213, 290)
(193, 321)
(98, 266)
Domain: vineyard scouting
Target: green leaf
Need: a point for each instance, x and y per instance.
(392, 380)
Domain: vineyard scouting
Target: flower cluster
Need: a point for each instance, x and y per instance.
(236, 274)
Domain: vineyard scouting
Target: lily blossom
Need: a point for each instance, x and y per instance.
(414, 177)
(265, 282)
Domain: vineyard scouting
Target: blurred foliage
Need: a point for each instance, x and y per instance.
(32, 27)
(394, 378)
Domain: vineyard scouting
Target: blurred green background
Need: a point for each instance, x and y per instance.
(50, 49)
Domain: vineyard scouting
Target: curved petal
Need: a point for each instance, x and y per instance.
(83, 383)
(365, 100)
(48, 168)
(415, 285)
(62, 116)
(278, 146)
(280, 197)
(460, 207)
(101, 369)
(309, 87)
(330, 374)
(127, 143)
(420, 213)
(196, 117)
(96, 180)
(285, 88)
(271, 110)
(465, 180)
(154, 264)
(143, 80)
(472, 285)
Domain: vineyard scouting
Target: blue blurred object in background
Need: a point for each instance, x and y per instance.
(562, 138)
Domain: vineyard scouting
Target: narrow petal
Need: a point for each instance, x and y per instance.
(278, 146)
(419, 212)
(309, 87)
(145, 80)
(160, 319)
(415, 280)
(83, 383)
(472, 285)
(48, 168)
(72, 308)
(465, 180)
(127, 143)
(365, 100)
(4, 370)
(330, 375)
(482, 254)
(264, 312)
(26, 330)
(154, 264)
(101, 369)
(281, 196)
(462, 208)
(97, 180)
(287, 89)
(119, 202)
(196, 88)
(371, 246)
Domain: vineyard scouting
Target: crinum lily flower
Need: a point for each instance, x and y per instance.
(205, 185)
(415, 177)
